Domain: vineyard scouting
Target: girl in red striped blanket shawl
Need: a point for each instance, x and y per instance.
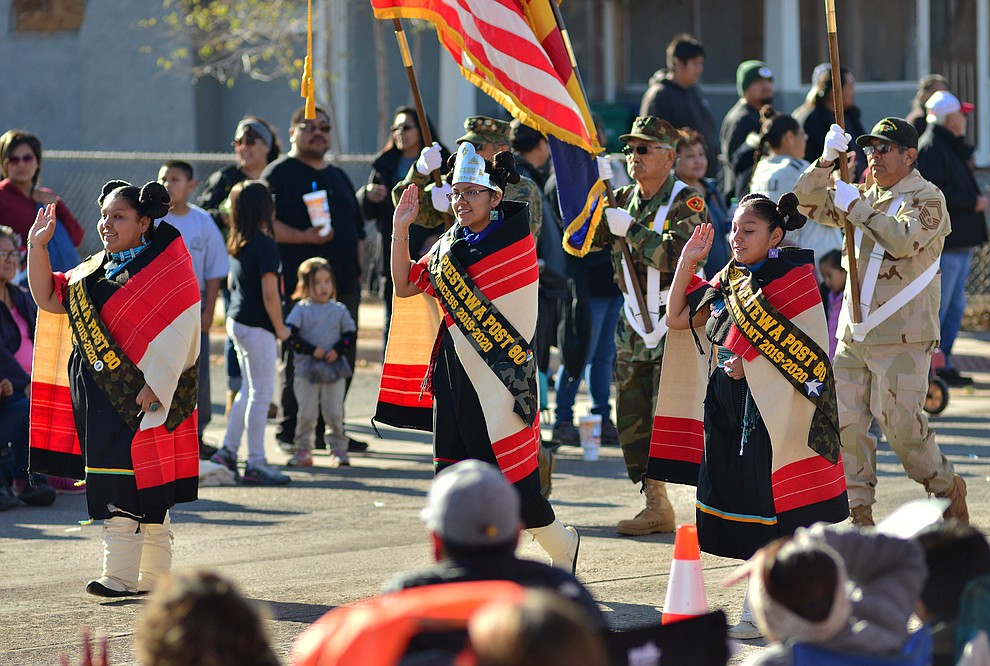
(115, 379)
(478, 361)
(747, 410)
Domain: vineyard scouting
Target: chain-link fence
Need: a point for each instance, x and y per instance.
(78, 177)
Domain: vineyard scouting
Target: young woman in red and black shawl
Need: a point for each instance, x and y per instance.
(118, 340)
(481, 373)
(746, 410)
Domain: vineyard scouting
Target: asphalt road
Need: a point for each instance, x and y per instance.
(334, 535)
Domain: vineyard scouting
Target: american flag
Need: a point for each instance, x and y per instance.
(515, 52)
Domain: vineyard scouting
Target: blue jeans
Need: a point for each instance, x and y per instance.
(955, 272)
(599, 369)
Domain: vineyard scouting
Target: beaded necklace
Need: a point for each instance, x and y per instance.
(118, 260)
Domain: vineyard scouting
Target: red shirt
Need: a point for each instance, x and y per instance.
(18, 212)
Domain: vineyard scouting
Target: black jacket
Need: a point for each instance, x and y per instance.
(10, 336)
(816, 124)
(739, 122)
(943, 159)
(682, 107)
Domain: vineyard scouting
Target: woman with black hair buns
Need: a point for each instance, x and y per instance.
(480, 394)
(747, 413)
(118, 339)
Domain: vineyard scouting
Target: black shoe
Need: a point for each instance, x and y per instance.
(354, 446)
(206, 451)
(96, 588)
(7, 499)
(952, 377)
(36, 492)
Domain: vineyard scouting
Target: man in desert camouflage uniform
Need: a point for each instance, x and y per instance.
(657, 213)
(489, 137)
(881, 365)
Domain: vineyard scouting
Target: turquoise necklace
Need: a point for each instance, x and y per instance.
(120, 259)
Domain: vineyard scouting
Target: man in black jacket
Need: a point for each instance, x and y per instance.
(674, 94)
(754, 81)
(945, 159)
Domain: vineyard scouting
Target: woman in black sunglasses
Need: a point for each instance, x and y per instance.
(405, 141)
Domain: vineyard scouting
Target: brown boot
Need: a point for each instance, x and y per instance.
(862, 515)
(957, 495)
(658, 516)
(547, 461)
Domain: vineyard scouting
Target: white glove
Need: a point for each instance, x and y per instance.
(604, 168)
(429, 160)
(836, 143)
(845, 195)
(438, 196)
(618, 221)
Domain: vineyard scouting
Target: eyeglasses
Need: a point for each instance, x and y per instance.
(881, 148)
(466, 194)
(309, 127)
(25, 159)
(403, 128)
(8, 254)
(246, 140)
(642, 150)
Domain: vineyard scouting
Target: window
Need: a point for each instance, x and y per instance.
(47, 15)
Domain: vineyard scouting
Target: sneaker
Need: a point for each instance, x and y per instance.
(356, 446)
(952, 377)
(226, 458)
(206, 451)
(64, 486)
(746, 629)
(339, 461)
(262, 475)
(566, 434)
(300, 458)
(610, 436)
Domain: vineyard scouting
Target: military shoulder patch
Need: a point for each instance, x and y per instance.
(697, 204)
(931, 214)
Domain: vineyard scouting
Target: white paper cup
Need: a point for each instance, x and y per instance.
(590, 431)
(318, 207)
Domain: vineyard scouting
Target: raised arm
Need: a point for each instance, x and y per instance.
(405, 213)
(696, 249)
(39, 264)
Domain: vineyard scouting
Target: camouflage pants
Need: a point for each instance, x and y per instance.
(888, 382)
(637, 381)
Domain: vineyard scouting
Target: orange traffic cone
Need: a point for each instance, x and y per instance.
(686, 587)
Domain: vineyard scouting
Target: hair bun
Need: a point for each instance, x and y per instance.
(111, 186)
(153, 201)
(504, 169)
(788, 209)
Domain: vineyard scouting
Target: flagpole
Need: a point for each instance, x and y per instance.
(833, 56)
(609, 193)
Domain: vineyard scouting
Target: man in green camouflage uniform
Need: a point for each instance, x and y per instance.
(881, 365)
(489, 136)
(657, 213)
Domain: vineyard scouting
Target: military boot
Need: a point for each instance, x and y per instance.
(658, 516)
(957, 495)
(862, 515)
(547, 461)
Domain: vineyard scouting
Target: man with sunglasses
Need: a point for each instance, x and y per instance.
(882, 363)
(656, 215)
(302, 171)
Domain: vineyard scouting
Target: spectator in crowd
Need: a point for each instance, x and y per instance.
(817, 114)
(256, 144)
(301, 171)
(691, 166)
(946, 160)
(927, 86)
(133, 418)
(543, 629)
(754, 82)
(832, 286)
(956, 554)
(654, 217)
(405, 142)
(21, 198)
(17, 318)
(209, 259)
(473, 515)
(889, 353)
(254, 322)
(675, 96)
(834, 586)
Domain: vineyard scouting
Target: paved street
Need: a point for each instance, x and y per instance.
(333, 535)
